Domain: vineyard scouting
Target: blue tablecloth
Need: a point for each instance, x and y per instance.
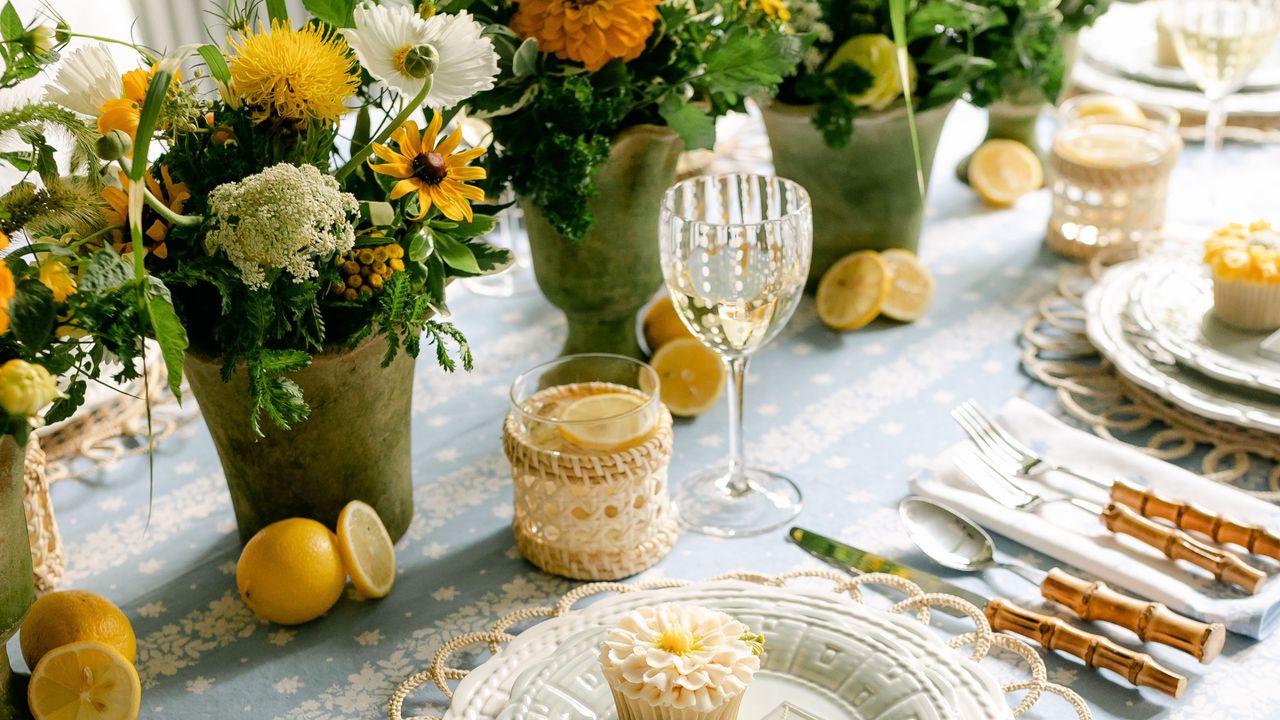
(850, 416)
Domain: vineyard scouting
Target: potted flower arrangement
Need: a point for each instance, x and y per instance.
(69, 303)
(596, 100)
(306, 258)
(843, 126)
(1021, 98)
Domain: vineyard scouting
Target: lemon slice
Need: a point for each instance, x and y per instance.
(662, 325)
(605, 422)
(1110, 107)
(367, 551)
(692, 376)
(84, 681)
(911, 292)
(851, 293)
(1003, 171)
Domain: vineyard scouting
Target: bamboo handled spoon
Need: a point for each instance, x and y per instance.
(956, 542)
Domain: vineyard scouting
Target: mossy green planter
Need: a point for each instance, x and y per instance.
(601, 283)
(17, 583)
(865, 195)
(355, 445)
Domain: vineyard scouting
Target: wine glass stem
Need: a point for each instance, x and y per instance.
(736, 483)
(1213, 122)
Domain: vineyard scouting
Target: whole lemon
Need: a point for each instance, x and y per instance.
(71, 616)
(291, 572)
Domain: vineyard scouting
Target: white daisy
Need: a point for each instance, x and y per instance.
(385, 39)
(87, 79)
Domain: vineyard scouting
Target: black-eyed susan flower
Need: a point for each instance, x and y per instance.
(155, 230)
(432, 169)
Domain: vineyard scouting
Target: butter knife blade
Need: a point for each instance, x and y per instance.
(858, 562)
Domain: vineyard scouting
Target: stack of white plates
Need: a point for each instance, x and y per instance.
(1153, 319)
(827, 658)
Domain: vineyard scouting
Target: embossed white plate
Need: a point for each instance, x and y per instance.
(824, 670)
(1142, 360)
(965, 686)
(1173, 302)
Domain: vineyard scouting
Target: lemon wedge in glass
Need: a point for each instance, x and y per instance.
(607, 421)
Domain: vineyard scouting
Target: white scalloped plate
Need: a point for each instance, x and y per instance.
(1142, 360)
(974, 694)
(1174, 303)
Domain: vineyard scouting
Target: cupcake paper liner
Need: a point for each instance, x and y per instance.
(629, 709)
(1247, 305)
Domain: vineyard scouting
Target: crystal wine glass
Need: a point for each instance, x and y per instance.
(1219, 43)
(735, 255)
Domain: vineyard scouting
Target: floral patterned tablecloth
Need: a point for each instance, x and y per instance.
(851, 417)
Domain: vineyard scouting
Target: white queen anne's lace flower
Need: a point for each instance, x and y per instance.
(286, 217)
(87, 79)
(386, 38)
(679, 656)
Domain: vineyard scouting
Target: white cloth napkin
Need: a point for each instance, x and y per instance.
(1072, 536)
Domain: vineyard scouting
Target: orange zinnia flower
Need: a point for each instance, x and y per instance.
(432, 168)
(156, 230)
(591, 32)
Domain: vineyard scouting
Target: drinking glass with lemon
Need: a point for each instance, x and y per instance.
(589, 442)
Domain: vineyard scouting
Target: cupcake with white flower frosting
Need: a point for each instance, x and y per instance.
(679, 662)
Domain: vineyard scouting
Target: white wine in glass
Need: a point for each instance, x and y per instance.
(1219, 43)
(735, 255)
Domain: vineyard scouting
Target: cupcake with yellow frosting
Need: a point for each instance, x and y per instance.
(679, 662)
(1245, 260)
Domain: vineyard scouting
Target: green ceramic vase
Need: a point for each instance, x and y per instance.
(17, 583)
(601, 283)
(865, 195)
(1017, 115)
(355, 444)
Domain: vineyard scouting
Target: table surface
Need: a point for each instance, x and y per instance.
(850, 417)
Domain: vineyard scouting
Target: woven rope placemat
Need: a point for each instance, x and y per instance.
(1088, 388)
(982, 639)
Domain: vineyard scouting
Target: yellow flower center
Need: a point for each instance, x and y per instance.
(400, 59)
(430, 167)
(677, 641)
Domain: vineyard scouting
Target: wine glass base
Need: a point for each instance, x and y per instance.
(705, 504)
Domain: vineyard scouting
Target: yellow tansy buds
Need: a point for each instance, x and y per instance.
(25, 388)
(365, 270)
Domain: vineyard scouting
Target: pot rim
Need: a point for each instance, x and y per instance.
(898, 112)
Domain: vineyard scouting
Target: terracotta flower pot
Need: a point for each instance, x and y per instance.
(17, 583)
(601, 283)
(864, 195)
(355, 445)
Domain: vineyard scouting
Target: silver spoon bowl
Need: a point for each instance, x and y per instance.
(954, 541)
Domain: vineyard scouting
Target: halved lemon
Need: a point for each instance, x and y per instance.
(84, 681)
(691, 374)
(911, 292)
(662, 325)
(1110, 107)
(607, 421)
(852, 291)
(1003, 171)
(367, 551)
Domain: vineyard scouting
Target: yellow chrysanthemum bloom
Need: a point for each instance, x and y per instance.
(25, 388)
(776, 9)
(432, 169)
(7, 290)
(302, 75)
(591, 32)
(1240, 252)
(55, 276)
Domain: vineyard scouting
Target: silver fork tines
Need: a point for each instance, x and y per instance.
(1005, 453)
(994, 483)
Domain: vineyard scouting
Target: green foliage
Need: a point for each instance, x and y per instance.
(22, 56)
(338, 13)
(979, 49)
(1080, 14)
(554, 121)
